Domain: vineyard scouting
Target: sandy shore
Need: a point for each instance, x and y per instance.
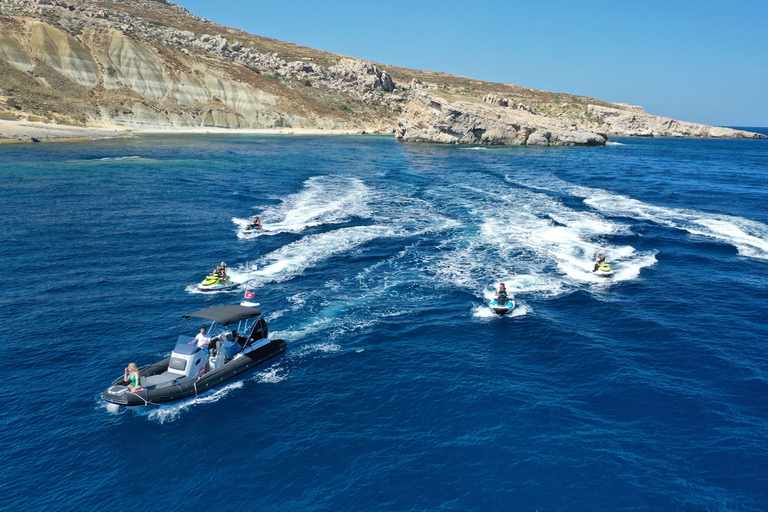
(31, 131)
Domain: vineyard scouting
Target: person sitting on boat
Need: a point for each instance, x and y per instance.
(501, 296)
(133, 378)
(203, 339)
(601, 264)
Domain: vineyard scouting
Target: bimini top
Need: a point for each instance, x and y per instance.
(226, 315)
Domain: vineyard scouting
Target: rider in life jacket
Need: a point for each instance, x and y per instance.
(221, 272)
(501, 295)
(255, 223)
(601, 264)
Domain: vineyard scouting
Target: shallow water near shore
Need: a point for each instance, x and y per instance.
(399, 390)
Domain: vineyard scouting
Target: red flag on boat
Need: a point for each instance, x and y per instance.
(249, 295)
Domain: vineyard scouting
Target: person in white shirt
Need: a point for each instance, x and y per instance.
(203, 339)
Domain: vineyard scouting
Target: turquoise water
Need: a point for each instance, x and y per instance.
(400, 390)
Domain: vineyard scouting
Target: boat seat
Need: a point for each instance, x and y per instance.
(154, 380)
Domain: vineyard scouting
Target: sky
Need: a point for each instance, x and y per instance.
(700, 61)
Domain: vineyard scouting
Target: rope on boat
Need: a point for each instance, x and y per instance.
(176, 383)
(146, 400)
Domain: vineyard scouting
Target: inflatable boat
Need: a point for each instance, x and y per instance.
(502, 305)
(190, 370)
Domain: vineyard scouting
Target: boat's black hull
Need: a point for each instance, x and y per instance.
(171, 391)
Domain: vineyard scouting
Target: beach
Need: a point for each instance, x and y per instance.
(35, 131)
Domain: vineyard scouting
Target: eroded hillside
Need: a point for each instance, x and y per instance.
(149, 64)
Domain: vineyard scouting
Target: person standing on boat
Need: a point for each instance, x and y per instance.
(203, 339)
(133, 378)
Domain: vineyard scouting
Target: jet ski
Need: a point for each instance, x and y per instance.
(191, 370)
(502, 305)
(251, 229)
(214, 283)
(603, 270)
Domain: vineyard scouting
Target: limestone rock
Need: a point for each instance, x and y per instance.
(504, 102)
(633, 123)
(64, 54)
(251, 103)
(11, 51)
(138, 68)
(430, 118)
(152, 64)
(367, 75)
(188, 91)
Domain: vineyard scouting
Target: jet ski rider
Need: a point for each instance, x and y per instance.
(501, 296)
(255, 224)
(221, 272)
(601, 264)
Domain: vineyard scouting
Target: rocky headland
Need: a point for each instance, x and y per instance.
(430, 118)
(72, 66)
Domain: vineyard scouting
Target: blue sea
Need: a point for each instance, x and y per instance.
(400, 390)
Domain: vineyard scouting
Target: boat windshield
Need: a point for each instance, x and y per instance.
(183, 346)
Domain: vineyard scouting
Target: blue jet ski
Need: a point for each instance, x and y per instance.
(502, 305)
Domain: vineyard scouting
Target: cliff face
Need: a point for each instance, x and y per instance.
(80, 62)
(150, 64)
(430, 118)
(629, 123)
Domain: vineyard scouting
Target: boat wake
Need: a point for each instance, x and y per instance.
(532, 242)
(324, 200)
(296, 258)
(524, 232)
(749, 237)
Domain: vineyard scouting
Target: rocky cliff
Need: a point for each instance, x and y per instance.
(124, 63)
(634, 123)
(430, 118)
(150, 64)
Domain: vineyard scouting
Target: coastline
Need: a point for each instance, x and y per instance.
(34, 131)
(18, 131)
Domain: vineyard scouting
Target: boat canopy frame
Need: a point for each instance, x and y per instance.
(226, 315)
